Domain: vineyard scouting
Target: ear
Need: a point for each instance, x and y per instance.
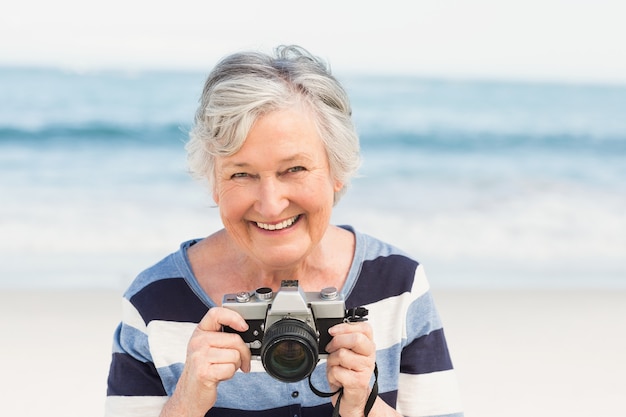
(212, 183)
(215, 194)
(337, 185)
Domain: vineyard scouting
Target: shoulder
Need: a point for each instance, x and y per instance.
(168, 267)
(370, 247)
(157, 291)
(382, 270)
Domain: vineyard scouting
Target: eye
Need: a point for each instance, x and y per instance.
(296, 169)
(240, 175)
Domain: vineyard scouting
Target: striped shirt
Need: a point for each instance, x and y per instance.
(164, 304)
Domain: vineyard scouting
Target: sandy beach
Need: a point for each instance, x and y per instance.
(538, 353)
(517, 352)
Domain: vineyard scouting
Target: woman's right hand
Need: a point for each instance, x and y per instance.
(212, 356)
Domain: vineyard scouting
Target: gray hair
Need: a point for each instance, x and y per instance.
(246, 85)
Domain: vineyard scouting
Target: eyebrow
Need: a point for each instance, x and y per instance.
(291, 159)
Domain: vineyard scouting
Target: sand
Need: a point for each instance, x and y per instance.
(517, 352)
(538, 353)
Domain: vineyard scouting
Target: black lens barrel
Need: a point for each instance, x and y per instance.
(290, 350)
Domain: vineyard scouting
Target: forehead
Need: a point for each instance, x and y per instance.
(287, 134)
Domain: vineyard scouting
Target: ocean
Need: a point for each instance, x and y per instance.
(489, 184)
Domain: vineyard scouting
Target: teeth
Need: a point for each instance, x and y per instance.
(278, 226)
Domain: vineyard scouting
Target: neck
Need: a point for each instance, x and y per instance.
(307, 271)
(320, 267)
(222, 267)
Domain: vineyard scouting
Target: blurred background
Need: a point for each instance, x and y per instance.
(493, 133)
(494, 146)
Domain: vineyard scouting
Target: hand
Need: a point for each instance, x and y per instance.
(212, 356)
(350, 364)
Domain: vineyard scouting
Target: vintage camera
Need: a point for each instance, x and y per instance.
(288, 330)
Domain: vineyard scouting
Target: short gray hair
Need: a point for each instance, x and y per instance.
(246, 85)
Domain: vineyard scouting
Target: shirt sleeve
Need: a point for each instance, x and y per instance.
(427, 384)
(134, 387)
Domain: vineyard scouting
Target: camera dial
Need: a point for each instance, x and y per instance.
(329, 293)
(264, 293)
(242, 297)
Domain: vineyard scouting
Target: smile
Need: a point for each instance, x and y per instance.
(278, 226)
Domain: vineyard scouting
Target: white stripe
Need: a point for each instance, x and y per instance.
(420, 283)
(387, 311)
(432, 394)
(255, 366)
(168, 341)
(132, 317)
(393, 309)
(133, 406)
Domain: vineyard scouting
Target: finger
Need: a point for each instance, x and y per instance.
(217, 317)
(355, 384)
(231, 341)
(348, 378)
(211, 324)
(358, 343)
(219, 347)
(344, 328)
(348, 359)
(224, 356)
(214, 373)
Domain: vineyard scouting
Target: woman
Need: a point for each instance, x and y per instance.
(273, 137)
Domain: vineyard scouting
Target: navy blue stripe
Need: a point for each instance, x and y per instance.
(130, 377)
(323, 410)
(169, 299)
(426, 354)
(383, 277)
(391, 398)
(287, 411)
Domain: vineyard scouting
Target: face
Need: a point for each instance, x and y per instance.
(276, 193)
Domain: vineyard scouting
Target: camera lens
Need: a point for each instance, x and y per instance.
(289, 352)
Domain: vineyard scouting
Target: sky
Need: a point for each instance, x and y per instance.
(547, 40)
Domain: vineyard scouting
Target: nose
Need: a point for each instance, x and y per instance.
(272, 198)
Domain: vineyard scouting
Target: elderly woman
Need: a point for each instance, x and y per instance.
(274, 139)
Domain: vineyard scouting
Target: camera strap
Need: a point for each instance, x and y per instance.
(370, 400)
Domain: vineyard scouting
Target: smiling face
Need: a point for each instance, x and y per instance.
(276, 193)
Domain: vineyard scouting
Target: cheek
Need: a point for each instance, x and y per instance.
(317, 200)
(320, 182)
(232, 201)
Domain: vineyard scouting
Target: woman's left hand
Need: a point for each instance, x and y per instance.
(350, 364)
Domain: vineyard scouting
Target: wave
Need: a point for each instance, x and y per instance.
(94, 133)
(382, 138)
(459, 141)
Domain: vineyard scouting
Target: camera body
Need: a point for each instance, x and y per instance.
(288, 330)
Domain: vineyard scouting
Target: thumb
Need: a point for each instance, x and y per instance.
(217, 317)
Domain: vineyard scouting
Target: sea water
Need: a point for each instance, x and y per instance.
(487, 184)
